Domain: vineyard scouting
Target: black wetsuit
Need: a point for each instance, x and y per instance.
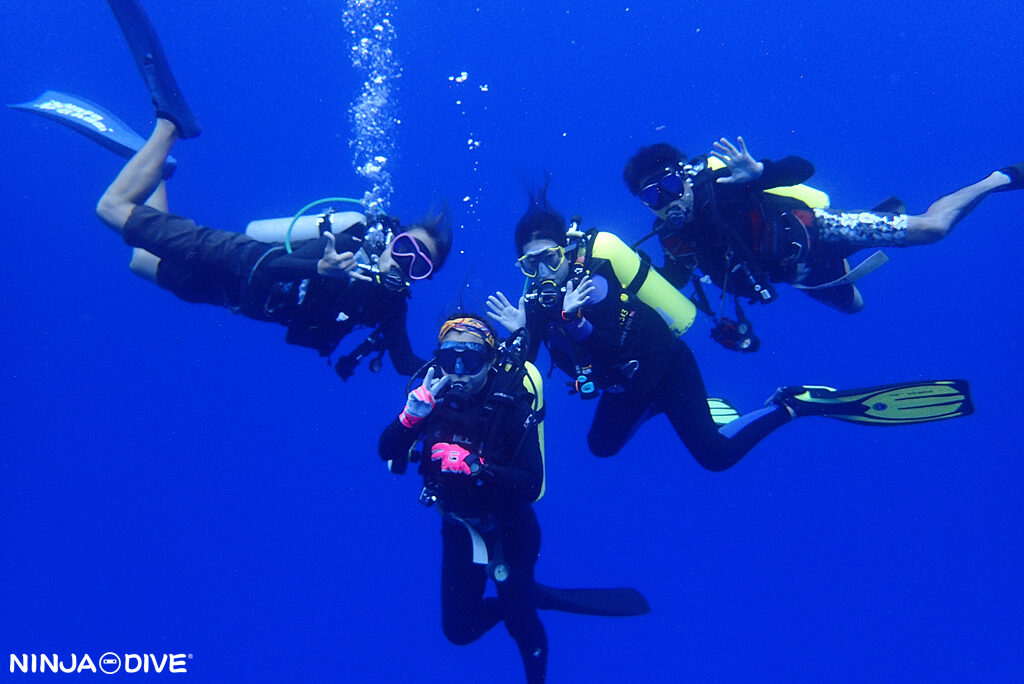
(498, 504)
(262, 281)
(733, 223)
(644, 370)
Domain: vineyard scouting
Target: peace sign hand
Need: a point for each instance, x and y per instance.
(421, 400)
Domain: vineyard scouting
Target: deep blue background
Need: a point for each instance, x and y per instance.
(176, 479)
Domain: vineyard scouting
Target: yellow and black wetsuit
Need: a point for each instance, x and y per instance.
(642, 369)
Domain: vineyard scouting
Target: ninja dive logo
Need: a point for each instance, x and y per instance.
(108, 663)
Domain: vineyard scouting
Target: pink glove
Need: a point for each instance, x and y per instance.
(454, 459)
(421, 401)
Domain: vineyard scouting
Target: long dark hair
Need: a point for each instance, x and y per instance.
(438, 225)
(541, 221)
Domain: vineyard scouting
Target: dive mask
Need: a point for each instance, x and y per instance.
(414, 257)
(463, 358)
(552, 257)
(664, 191)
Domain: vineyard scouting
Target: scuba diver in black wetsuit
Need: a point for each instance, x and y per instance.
(611, 323)
(321, 289)
(745, 225)
(478, 428)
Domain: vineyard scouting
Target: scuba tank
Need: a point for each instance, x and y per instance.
(374, 233)
(638, 278)
(305, 228)
(633, 274)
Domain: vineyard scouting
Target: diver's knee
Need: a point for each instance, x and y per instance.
(114, 211)
(856, 305)
(456, 633)
(713, 463)
(105, 207)
(925, 229)
(601, 448)
(144, 264)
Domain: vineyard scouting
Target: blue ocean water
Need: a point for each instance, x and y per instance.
(176, 479)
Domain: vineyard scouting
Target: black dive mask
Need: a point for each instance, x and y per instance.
(546, 293)
(463, 358)
(661, 192)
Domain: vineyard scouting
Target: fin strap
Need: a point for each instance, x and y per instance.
(869, 265)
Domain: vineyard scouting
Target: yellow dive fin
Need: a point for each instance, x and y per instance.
(898, 404)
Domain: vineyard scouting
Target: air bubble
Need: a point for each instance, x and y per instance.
(372, 112)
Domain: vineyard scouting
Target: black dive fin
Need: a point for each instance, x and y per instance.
(622, 602)
(898, 404)
(891, 205)
(156, 73)
(92, 121)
